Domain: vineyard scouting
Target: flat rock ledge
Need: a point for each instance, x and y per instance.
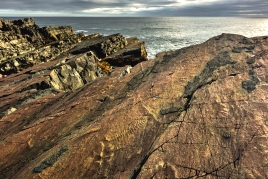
(75, 106)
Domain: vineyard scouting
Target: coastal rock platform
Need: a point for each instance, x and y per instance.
(95, 107)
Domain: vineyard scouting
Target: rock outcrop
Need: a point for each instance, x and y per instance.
(197, 112)
(23, 44)
(72, 60)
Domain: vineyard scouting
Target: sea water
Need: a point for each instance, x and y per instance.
(162, 33)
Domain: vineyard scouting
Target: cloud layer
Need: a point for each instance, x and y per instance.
(253, 8)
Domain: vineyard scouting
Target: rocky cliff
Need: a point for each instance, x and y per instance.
(197, 112)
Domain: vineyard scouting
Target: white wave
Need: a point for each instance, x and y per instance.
(110, 29)
(79, 31)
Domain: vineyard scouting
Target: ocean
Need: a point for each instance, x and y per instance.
(162, 33)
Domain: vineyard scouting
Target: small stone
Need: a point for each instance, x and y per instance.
(16, 64)
(11, 110)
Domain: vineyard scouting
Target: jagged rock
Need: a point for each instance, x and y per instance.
(196, 112)
(23, 44)
(75, 72)
(126, 71)
(18, 37)
(131, 55)
(101, 46)
(43, 54)
(90, 36)
(114, 50)
(17, 25)
(52, 34)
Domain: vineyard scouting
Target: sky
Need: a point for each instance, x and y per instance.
(110, 8)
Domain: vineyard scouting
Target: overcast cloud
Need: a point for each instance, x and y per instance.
(252, 8)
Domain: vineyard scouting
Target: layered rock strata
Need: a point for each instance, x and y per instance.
(23, 44)
(60, 60)
(196, 112)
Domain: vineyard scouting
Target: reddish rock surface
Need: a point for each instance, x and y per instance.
(197, 112)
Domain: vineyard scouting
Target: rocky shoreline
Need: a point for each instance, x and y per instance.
(76, 106)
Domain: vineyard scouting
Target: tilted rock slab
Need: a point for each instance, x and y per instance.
(102, 46)
(134, 54)
(200, 111)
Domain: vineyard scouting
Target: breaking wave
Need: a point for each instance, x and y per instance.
(81, 31)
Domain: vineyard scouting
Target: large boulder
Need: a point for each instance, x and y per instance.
(75, 72)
